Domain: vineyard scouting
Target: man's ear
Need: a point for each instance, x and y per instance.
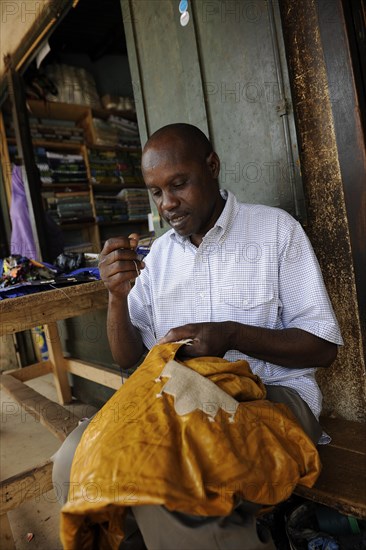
(213, 163)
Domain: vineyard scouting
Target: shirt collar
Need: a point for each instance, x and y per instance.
(223, 223)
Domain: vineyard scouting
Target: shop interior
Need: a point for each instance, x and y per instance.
(84, 136)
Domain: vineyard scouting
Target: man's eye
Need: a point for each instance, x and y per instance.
(155, 193)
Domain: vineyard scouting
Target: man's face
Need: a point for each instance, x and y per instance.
(184, 188)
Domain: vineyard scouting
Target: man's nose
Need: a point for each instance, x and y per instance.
(169, 201)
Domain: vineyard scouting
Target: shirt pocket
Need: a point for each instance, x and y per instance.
(246, 297)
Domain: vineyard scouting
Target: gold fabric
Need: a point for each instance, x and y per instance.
(190, 448)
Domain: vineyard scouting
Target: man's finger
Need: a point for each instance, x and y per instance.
(134, 239)
(172, 336)
(176, 334)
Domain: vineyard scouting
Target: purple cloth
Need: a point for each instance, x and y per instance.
(22, 241)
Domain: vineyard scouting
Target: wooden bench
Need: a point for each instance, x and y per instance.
(46, 308)
(35, 481)
(342, 482)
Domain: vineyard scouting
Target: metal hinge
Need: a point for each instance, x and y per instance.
(282, 107)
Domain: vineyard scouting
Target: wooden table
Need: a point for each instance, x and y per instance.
(46, 308)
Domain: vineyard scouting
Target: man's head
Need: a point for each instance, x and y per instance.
(181, 171)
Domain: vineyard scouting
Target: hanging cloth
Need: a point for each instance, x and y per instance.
(22, 241)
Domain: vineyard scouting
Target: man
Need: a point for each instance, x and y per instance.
(241, 281)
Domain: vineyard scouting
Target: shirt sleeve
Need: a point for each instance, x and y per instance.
(139, 304)
(304, 300)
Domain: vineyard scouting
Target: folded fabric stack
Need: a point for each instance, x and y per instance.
(70, 207)
(60, 167)
(128, 132)
(109, 208)
(74, 209)
(137, 201)
(56, 130)
(118, 103)
(48, 129)
(112, 167)
(135, 157)
(104, 133)
(116, 131)
(74, 85)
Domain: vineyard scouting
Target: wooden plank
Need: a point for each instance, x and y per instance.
(346, 434)
(6, 166)
(57, 110)
(32, 371)
(342, 482)
(57, 361)
(6, 534)
(53, 416)
(29, 484)
(101, 375)
(9, 358)
(26, 312)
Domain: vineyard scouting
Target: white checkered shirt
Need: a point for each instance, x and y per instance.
(256, 266)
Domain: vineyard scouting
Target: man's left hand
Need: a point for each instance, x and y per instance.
(209, 339)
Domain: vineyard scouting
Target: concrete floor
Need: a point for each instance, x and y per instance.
(25, 443)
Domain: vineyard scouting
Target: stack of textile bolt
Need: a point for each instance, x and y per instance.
(116, 131)
(47, 129)
(109, 208)
(56, 130)
(111, 167)
(137, 203)
(60, 167)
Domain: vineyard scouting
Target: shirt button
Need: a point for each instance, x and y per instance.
(245, 302)
(201, 295)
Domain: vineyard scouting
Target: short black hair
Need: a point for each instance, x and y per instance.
(185, 132)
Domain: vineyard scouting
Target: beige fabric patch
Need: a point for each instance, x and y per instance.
(192, 391)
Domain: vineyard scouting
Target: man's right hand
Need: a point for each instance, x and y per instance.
(118, 264)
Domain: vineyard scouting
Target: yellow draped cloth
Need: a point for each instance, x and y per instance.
(194, 436)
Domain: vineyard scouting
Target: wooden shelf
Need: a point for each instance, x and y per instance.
(72, 111)
(60, 145)
(83, 116)
(56, 110)
(76, 224)
(50, 186)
